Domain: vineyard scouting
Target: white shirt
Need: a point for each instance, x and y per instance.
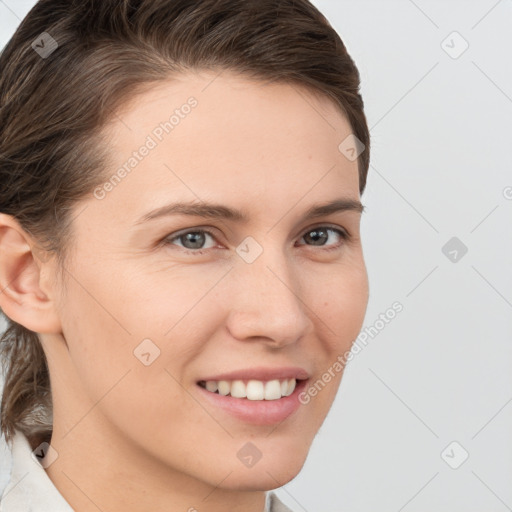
(31, 490)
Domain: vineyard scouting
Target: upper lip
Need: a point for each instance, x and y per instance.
(262, 373)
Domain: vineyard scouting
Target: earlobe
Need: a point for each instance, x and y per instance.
(21, 297)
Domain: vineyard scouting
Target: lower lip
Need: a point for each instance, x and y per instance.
(257, 412)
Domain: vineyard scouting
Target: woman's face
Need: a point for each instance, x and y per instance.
(157, 303)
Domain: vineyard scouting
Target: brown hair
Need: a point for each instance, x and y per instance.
(54, 105)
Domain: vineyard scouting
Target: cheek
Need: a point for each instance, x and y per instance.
(118, 384)
(161, 299)
(342, 304)
(98, 341)
(139, 328)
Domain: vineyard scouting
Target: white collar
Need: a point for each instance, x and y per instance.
(31, 490)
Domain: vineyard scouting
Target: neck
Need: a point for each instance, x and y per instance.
(103, 473)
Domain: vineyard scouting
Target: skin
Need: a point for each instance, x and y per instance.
(133, 437)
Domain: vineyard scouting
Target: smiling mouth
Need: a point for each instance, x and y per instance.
(252, 389)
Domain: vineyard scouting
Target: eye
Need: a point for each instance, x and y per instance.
(319, 235)
(193, 240)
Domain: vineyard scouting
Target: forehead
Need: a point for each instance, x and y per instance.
(225, 136)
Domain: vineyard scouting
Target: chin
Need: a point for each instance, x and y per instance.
(265, 475)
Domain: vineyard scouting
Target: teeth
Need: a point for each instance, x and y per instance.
(291, 386)
(253, 390)
(238, 389)
(272, 390)
(212, 386)
(224, 387)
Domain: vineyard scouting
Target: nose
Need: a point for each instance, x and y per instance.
(267, 303)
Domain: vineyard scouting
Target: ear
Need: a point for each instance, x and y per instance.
(25, 296)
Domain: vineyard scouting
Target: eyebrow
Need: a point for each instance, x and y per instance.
(221, 212)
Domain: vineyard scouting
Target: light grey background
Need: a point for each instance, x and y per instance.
(440, 371)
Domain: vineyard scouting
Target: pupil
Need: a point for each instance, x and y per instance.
(196, 238)
(318, 233)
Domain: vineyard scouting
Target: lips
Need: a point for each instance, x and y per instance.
(255, 412)
(271, 394)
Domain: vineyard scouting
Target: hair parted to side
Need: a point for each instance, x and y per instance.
(52, 110)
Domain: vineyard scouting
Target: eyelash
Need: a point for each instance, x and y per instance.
(168, 240)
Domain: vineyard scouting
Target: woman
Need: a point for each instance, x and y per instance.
(180, 253)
